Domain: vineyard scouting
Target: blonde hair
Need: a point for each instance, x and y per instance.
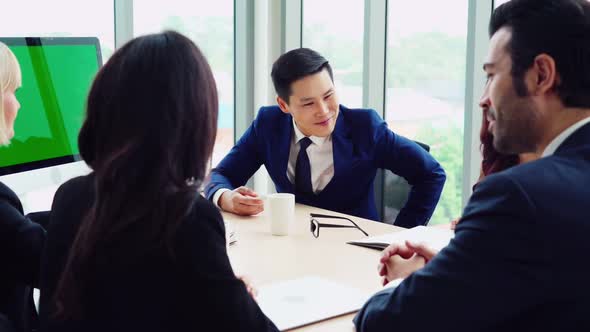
(10, 78)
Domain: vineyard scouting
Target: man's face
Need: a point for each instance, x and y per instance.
(313, 104)
(515, 122)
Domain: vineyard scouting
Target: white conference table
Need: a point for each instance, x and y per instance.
(265, 258)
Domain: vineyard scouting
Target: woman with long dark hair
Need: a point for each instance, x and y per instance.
(132, 245)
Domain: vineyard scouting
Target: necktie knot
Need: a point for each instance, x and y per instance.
(304, 143)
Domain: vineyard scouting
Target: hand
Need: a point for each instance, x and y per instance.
(399, 261)
(392, 250)
(241, 201)
(249, 286)
(421, 249)
(454, 223)
(398, 267)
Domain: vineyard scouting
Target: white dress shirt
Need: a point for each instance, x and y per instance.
(321, 159)
(559, 139)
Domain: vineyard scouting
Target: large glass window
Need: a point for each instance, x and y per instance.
(426, 52)
(335, 29)
(60, 18)
(210, 24)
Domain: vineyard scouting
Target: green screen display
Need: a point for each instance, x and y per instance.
(55, 83)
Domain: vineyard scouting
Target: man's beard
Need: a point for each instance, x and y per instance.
(520, 133)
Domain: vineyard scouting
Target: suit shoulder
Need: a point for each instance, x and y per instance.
(270, 113)
(77, 182)
(270, 118)
(205, 208)
(204, 215)
(8, 195)
(364, 124)
(74, 188)
(364, 115)
(498, 182)
(554, 174)
(203, 226)
(499, 201)
(506, 190)
(271, 121)
(363, 119)
(552, 170)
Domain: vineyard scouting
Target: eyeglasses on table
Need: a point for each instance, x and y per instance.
(315, 225)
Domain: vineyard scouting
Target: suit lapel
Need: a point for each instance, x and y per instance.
(343, 148)
(284, 147)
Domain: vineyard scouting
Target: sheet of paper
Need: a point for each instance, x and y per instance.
(293, 303)
(434, 237)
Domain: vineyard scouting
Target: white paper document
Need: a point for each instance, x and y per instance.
(434, 237)
(294, 303)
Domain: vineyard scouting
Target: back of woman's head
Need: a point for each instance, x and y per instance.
(154, 105)
(148, 135)
(10, 79)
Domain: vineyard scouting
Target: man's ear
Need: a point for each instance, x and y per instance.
(283, 105)
(546, 75)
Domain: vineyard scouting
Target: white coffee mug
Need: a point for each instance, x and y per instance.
(281, 210)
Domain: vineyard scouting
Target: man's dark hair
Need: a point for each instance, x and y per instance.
(558, 28)
(294, 65)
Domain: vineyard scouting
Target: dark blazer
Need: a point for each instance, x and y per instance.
(197, 291)
(362, 143)
(21, 242)
(519, 259)
(5, 324)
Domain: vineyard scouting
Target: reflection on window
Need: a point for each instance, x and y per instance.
(497, 3)
(210, 24)
(426, 54)
(61, 18)
(339, 38)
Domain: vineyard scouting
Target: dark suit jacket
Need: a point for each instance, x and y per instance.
(21, 242)
(362, 143)
(518, 261)
(5, 324)
(197, 291)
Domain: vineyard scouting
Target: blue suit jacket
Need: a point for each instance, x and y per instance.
(362, 143)
(518, 261)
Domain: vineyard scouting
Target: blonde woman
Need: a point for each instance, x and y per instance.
(21, 240)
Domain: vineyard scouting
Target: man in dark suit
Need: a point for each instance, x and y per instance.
(323, 152)
(518, 259)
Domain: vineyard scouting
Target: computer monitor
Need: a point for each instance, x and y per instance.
(56, 77)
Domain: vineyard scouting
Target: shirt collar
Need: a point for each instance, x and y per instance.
(315, 139)
(559, 139)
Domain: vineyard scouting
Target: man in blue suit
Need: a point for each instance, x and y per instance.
(518, 261)
(323, 152)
